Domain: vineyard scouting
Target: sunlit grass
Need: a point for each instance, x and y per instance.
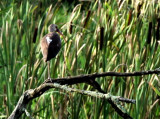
(129, 43)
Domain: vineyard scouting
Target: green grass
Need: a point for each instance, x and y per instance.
(129, 43)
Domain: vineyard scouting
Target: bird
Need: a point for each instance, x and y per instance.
(51, 45)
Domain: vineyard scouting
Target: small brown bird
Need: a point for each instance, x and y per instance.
(51, 44)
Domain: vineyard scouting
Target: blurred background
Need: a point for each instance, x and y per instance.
(102, 35)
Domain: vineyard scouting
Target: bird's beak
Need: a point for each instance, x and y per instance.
(60, 33)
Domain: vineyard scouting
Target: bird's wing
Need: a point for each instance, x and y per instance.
(54, 46)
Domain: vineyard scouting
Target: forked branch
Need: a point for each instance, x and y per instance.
(61, 83)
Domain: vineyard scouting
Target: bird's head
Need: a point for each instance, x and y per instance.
(54, 28)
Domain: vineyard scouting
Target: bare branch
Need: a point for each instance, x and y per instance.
(33, 93)
(89, 79)
(85, 78)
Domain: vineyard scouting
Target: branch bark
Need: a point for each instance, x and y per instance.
(85, 78)
(30, 94)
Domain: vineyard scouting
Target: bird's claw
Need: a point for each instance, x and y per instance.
(49, 79)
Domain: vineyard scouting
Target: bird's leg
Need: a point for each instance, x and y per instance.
(49, 76)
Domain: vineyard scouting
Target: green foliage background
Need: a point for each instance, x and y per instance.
(102, 35)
